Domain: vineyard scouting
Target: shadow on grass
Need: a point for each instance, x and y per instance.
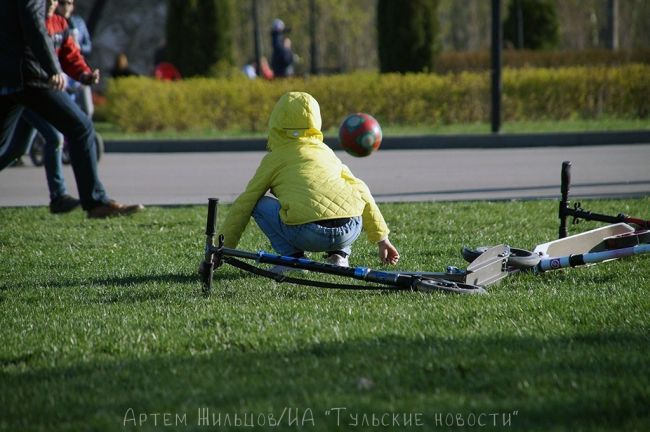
(594, 380)
(145, 279)
(140, 287)
(222, 280)
(128, 281)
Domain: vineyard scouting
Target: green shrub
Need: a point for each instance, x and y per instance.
(539, 24)
(569, 93)
(199, 35)
(406, 35)
(144, 104)
(460, 61)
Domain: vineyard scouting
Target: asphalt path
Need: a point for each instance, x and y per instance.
(392, 175)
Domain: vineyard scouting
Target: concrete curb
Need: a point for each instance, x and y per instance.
(569, 139)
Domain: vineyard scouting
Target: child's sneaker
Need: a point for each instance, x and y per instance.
(280, 269)
(338, 260)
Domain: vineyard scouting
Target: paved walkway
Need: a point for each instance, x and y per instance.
(393, 175)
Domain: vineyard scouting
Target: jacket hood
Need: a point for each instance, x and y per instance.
(295, 119)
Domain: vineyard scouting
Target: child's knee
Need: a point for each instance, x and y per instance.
(266, 204)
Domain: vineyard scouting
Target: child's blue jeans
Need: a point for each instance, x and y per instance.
(294, 239)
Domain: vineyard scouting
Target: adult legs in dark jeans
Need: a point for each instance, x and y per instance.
(30, 122)
(25, 131)
(52, 149)
(10, 113)
(57, 108)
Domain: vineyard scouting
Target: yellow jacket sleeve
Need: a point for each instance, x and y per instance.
(373, 221)
(241, 210)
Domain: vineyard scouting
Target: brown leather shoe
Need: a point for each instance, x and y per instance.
(112, 208)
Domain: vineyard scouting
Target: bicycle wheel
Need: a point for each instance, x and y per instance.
(99, 144)
(442, 285)
(36, 150)
(65, 153)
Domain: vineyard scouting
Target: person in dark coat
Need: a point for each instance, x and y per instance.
(282, 57)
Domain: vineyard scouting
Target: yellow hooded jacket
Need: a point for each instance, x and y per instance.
(305, 175)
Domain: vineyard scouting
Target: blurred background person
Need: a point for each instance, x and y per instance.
(250, 69)
(121, 67)
(282, 57)
(82, 93)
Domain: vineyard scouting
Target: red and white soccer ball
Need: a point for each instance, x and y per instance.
(360, 134)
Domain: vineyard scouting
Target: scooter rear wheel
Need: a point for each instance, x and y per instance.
(442, 285)
(36, 150)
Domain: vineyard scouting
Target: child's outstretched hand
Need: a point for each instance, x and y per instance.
(387, 252)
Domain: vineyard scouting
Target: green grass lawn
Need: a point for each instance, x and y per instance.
(111, 132)
(104, 328)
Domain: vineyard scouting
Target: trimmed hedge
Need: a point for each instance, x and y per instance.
(459, 61)
(144, 104)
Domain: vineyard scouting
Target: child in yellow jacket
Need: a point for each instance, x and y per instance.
(319, 205)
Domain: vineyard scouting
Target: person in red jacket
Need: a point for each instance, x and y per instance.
(66, 48)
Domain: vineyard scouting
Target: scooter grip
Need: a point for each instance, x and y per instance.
(566, 179)
(207, 266)
(564, 201)
(212, 213)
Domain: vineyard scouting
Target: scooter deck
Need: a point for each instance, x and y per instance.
(589, 241)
